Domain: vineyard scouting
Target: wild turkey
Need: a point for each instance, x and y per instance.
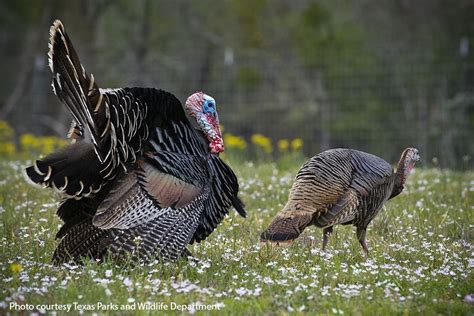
(142, 178)
(339, 186)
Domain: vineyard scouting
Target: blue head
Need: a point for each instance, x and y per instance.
(209, 105)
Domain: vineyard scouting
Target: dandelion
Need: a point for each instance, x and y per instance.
(42, 145)
(48, 144)
(27, 141)
(263, 142)
(283, 145)
(6, 133)
(234, 141)
(296, 144)
(7, 148)
(16, 267)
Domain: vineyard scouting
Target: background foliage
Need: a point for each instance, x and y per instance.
(373, 75)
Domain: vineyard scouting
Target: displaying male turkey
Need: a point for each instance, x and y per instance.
(339, 186)
(142, 178)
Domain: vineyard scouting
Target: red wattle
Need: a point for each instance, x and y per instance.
(216, 146)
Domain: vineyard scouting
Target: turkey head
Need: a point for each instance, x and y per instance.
(202, 110)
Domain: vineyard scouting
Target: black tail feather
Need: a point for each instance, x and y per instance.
(74, 170)
(74, 87)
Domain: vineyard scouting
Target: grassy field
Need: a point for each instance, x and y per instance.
(421, 260)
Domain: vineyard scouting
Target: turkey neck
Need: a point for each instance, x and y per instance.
(400, 177)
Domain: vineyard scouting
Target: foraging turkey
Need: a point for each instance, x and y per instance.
(142, 177)
(339, 186)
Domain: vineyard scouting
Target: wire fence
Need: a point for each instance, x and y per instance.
(341, 101)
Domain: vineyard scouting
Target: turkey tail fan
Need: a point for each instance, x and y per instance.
(74, 87)
(73, 170)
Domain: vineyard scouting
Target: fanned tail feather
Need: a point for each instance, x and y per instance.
(73, 170)
(76, 169)
(74, 87)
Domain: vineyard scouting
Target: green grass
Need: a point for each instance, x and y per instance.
(421, 255)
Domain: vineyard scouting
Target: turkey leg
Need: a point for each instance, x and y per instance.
(326, 233)
(361, 236)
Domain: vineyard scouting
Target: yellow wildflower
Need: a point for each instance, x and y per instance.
(48, 143)
(16, 267)
(27, 141)
(233, 141)
(296, 144)
(6, 131)
(7, 148)
(283, 145)
(262, 141)
(41, 144)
